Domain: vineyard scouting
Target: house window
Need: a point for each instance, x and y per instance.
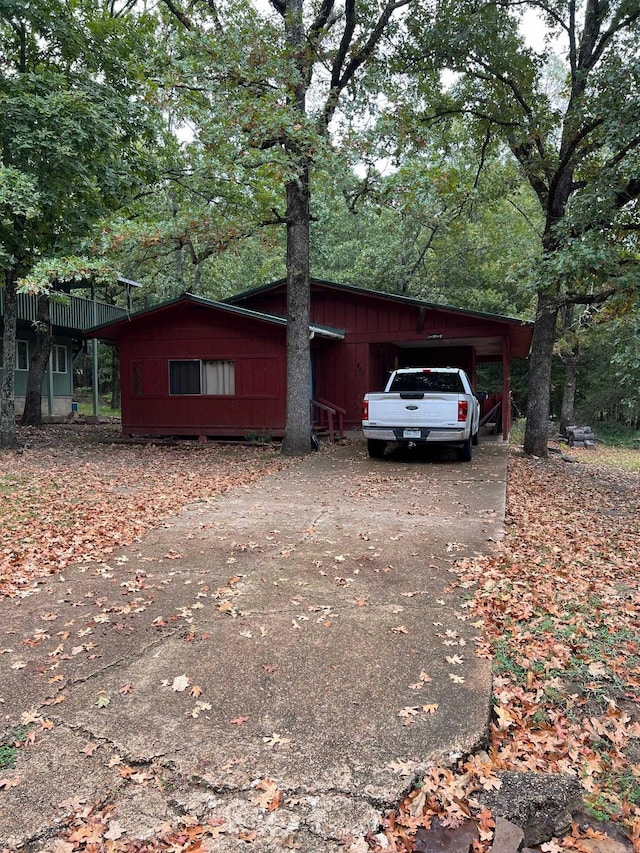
(194, 376)
(219, 377)
(59, 359)
(185, 377)
(22, 355)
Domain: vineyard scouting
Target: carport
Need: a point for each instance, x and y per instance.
(383, 331)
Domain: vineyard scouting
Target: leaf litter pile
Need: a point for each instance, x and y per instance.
(558, 602)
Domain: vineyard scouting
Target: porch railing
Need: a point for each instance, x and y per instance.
(328, 417)
(77, 315)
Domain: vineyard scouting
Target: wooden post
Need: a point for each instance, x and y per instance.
(94, 357)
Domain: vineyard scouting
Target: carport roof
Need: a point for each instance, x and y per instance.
(519, 332)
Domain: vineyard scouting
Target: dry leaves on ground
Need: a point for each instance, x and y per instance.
(67, 497)
(560, 603)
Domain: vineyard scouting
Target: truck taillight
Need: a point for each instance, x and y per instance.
(463, 410)
(365, 410)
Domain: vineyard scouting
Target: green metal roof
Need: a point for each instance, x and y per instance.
(316, 329)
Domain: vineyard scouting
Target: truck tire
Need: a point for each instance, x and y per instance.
(466, 451)
(475, 437)
(376, 448)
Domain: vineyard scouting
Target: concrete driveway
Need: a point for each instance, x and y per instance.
(282, 661)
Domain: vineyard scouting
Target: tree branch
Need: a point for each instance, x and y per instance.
(321, 20)
(622, 153)
(628, 193)
(341, 76)
(178, 14)
(280, 6)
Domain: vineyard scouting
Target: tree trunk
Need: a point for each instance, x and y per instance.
(8, 438)
(297, 440)
(115, 379)
(32, 414)
(569, 391)
(538, 405)
(570, 358)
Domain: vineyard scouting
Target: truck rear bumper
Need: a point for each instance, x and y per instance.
(419, 434)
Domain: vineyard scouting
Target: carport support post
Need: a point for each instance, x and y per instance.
(94, 357)
(506, 389)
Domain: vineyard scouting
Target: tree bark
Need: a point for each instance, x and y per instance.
(536, 434)
(32, 414)
(297, 440)
(570, 359)
(569, 391)
(8, 437)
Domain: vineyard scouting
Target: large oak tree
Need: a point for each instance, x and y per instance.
(572, 128)
(277, 81)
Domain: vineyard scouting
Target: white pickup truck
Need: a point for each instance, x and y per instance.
(423, 405)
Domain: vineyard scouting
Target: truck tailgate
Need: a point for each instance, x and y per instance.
(435, 409)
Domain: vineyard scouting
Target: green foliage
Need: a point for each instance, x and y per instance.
(430, 229)
(10, 742)
(616, 434)
(609, 369)
(72, 135)
(49, 274)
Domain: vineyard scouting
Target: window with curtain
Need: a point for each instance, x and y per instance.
(194, 376)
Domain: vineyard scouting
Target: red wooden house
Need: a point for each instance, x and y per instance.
(383, 331)
(192, 366)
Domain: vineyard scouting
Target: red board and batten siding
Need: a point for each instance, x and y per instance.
(373, 327)
(378, 333)
(190, 332)
(372, 318)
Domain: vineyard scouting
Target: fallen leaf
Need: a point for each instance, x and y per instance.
(275, 740)
(114, 831)
(409, 711)
(180, 683)
(267, 790)
(248, 835)
(60, 846)
(199, 708)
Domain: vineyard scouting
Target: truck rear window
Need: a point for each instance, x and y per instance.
(449, 383)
